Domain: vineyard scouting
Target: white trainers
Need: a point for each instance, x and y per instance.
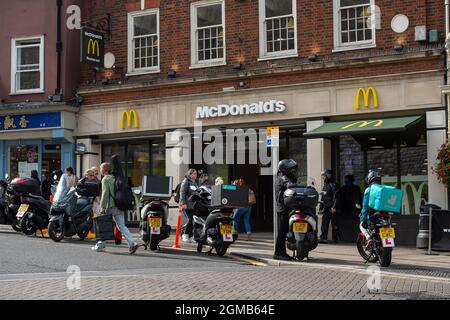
(185, 238)
(192, 240)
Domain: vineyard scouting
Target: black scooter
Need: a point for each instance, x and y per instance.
(7, 216)
(33, 214)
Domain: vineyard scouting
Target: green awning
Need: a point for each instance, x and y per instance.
(360, 127)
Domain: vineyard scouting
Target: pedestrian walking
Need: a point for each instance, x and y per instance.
(244, 212)
(108, 205)
(187, 188)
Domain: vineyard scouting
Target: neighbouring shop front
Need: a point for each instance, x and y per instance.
(144, 134)
(36, 141)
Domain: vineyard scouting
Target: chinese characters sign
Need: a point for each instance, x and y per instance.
(30, 121)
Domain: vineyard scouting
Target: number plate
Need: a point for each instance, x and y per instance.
(226, 229)
(387, 233)
(300, 227)
(22, 210)
(155, 222)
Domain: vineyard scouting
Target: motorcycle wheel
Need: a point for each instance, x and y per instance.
(301, 251)
(385, 257)
(153, 244)
(26, 226)
(55, 231)
(221, 249)
(83, 233)
(199, 247)
(361, 244)
(16, 228)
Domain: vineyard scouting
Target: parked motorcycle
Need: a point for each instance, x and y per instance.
(217, 230)
(302, 236)
(7, 215)
(32, 209)
(375, 244)
(71, 211)
(154, 226)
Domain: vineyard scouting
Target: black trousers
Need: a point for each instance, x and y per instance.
(190, 224)
(283, 229)
(328, 217)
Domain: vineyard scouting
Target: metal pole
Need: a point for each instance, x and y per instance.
(430, 210)
(275, 159)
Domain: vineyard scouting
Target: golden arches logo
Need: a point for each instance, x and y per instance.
(366, 95)
(93, 46)
(363, 123)
(129, 115)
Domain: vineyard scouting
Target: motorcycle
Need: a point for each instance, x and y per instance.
(302, 236)
(154, 226)
(217, 230)
(375, 244)
(71, 211)
(7, 215)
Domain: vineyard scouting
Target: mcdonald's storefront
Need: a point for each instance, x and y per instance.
(391, 123)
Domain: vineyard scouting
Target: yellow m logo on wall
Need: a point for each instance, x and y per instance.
(366, 97)
(129, 115)
(362, 124)
(93, 47)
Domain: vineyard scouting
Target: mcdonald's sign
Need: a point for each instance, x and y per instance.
(364, 123)
(92, 46)
(366, 98)
(130, 116)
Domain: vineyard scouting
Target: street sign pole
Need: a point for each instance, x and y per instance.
(273, 142)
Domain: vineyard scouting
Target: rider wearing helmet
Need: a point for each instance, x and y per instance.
(286, 177)
(373, 177)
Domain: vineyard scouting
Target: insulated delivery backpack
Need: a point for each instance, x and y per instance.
(124, 197)
(385, 198)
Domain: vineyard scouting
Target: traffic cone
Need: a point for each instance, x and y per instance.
(176, 244)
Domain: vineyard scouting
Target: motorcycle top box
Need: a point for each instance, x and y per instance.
(385, 198)
(89, 189)
(300, 197)
(229, 196)
(25, 186)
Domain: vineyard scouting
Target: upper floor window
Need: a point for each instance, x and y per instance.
(354, 24)
(143, 41)
(277, 28)
(27, 65)
(208, 33)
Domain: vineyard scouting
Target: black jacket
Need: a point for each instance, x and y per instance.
(328, 196)
(282, 183)
(186, 192)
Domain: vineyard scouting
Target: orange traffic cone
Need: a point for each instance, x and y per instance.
(176, 243)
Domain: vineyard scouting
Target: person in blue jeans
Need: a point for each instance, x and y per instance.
(244, 212)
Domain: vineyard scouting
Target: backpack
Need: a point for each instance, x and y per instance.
(124, 197)
(176, 197)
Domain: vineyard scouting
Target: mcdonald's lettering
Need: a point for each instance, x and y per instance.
(366, 96)
(129, 115)
(362, 124)
(93, 47)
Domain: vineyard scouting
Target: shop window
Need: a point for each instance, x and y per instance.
(278, 35)
(158, 158)
(354, 25)
(22, 160)
(143, 41)
(138, 163)
(27, 70)
(208, 33)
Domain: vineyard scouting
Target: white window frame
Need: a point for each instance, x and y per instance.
(194, 43)
(131, 69)
(263, 54)
(338, 46)
(14, 90)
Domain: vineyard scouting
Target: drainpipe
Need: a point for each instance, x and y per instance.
(59, 47)
(447, 50)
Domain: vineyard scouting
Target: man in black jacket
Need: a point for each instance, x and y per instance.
(328, 207)
(287, 176)
(188, 187)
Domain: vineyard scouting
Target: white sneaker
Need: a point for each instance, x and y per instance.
(192, 240)
(185, 238)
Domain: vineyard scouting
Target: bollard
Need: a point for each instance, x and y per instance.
(430, 229)
(176, 243)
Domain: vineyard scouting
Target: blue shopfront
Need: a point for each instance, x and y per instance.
(36, 141)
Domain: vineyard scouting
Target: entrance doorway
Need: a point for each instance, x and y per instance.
(51, 158)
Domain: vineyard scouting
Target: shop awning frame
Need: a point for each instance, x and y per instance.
(364, 127)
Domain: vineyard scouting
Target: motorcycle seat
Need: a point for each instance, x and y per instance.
(39, 200)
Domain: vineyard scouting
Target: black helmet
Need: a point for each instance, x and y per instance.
(327, 174)
(288, 167)
(373, 176)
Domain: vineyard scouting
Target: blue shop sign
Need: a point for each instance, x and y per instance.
(30, 121)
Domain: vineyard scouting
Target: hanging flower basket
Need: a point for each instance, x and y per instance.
(442, 167)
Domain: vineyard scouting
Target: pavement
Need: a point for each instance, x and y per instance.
(38, 268)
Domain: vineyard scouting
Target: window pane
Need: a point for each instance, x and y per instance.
(28, 80)
(368, 34)
(145, 25)
(276, 8)
(27, 56)
(209, 15)
(344, 37)
(347, 3)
